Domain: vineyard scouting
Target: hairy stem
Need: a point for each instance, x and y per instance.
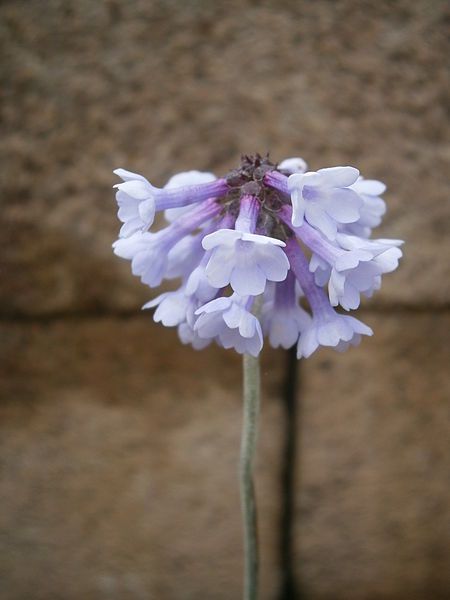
(248, 501)
(289, 589)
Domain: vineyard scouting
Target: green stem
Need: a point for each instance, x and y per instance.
(248, 501)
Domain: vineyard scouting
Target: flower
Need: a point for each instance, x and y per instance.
(351, 265)
(242, 258)
(293, 165)
(327, 327)
(266, 250)
(283, 319)
(324, 198)
(139, 200)
(149, 252)
(230, 320)
(372, 210)
(136, 202)
(181, 180)
(334, 330)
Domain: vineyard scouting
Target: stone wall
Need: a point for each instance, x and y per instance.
(119, 445)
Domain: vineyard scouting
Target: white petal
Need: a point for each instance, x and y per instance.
(147, 211)
(189, 178)
(128, 206)
(247, 326)
(130, 246)
(295, 182)
(209, 325)
(293, 165)
(318, 218)
(388, 261)
(136, 188)
(247, 280)
(254, 344)
(220, 266)
(219, 304)
(351, 298)
(358, 326)
(390, 242)
(188, 336)
(336, 287)
(172, 310)
(130, 227)
(330, 333)
(128, 175)
(262, 239)
(232, 317)
(344, 205)
(371, 187)
(273, 262)
(351, 259)
(312, 179)
(155, 301)
(339, 176)
(221, 237)
(307, 343)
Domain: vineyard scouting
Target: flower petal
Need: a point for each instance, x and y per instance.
(248, 280)
(221, 237)
(293, 165)
(339, 176)
(344, 205)
(318, 218)
(136, 188)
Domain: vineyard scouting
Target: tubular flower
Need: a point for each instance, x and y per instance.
(298, 240)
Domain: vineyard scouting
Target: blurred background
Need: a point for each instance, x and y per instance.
(118, 445)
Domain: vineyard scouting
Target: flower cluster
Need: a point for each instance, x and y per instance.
(266, 250)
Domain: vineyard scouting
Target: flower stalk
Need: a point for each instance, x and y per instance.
(247, 248)
(251, 398)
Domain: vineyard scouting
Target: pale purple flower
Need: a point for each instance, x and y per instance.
(282, 317)
(323, 198)
(188, 335)
(186, 178)
(351, 265)
(243, 259)
(230, 320)
(171, 308)
(333, 330)
(198, 284)
(184, 256)
(293, 165)
(139, 200)
(149, 252)
(248, 231)
(327, 327)
(136, 202)
(372, 210)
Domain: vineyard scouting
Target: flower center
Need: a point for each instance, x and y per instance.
(248, 179)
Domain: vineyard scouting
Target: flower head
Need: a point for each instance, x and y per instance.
(232, 239)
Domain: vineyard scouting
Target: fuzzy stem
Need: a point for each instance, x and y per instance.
(251, 383)
(289, 589)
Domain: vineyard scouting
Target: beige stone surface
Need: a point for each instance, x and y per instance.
(161, 87)
(118, 452)
(119, 455)
(373, 514)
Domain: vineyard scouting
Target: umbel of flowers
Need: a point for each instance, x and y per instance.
(300, 240)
